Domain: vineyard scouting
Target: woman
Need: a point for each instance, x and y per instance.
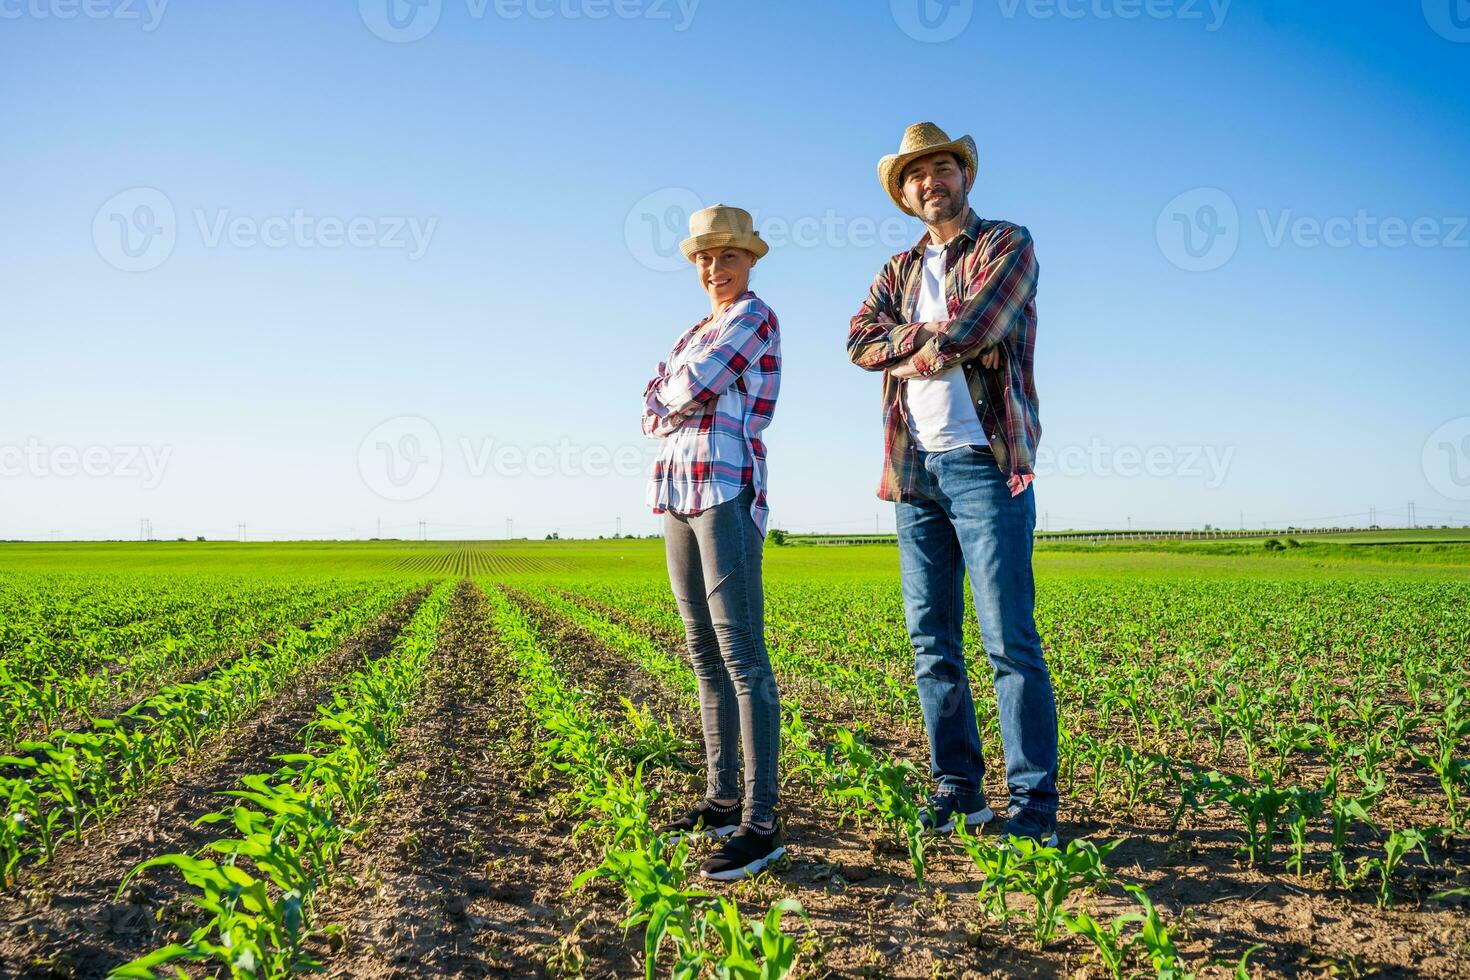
(709, 403)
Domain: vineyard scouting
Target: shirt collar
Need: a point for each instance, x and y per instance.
(748, 294)
(970, 231)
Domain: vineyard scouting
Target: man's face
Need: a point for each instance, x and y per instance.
(934, 188)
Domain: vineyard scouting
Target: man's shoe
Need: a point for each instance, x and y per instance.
(706, 819)
(939, 816)
(746, 854)
(1034, 825)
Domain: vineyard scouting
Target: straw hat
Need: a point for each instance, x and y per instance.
(919, 140)
(719, 226)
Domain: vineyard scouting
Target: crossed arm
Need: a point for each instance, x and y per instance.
(1004, 285)
(672, 397)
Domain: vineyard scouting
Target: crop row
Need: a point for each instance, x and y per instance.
(39, 687)
(52, 789)
(289, 826)
(84, 621)
(606, 772)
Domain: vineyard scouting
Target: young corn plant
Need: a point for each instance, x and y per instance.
(653, 876)
(1001, 868)
(1110, 950)
(881, 785)
(1451, 730)
(758, 952)
(1345, 811)
(1285, 740)
(1156, 940)
(1303, 807)
(1260, 808)
(1399, 845)
(1050, 874)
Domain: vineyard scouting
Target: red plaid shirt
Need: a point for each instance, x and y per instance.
(990, 288)
(709, 403)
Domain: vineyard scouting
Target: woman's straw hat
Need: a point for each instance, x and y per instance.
(919, 140)
(719, 226)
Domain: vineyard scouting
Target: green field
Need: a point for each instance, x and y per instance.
(451, 755)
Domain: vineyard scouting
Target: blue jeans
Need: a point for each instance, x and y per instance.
(714, 561)
(964, 518)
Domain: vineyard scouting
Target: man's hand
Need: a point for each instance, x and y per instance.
(905, 370)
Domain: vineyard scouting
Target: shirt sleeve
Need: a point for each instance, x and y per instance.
(1004, 286)
(875, 338)
(658, 422)
(706, 374)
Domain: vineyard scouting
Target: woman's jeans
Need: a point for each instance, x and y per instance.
(964, 518)
(714, 563)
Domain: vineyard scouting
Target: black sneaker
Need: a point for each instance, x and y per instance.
(747, 853)
(939, 815)
(707, 819)
(1036, 826)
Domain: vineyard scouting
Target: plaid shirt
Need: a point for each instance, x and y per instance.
(709, 403)
(990, 288)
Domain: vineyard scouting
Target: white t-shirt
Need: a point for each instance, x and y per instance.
(941, 415)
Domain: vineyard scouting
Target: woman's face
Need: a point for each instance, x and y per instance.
(724, 272)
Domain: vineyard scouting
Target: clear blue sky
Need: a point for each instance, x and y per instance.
(1295, 381)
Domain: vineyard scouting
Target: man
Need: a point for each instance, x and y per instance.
(951, 323)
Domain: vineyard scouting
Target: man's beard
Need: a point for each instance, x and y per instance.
(949, 207)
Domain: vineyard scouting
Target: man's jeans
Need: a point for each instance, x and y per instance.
(714, 563)
(964, 517)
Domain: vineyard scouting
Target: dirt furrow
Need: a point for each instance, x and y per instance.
(68, 920)
(592, 664)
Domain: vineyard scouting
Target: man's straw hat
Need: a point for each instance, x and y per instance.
(719, 226)
(919, 140)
